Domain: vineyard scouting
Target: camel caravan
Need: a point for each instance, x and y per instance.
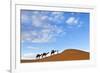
(43, 55)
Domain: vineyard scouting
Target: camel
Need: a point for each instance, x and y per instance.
(38, 55)
(53, 51)
(44, 54)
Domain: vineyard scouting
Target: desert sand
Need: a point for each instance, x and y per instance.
(66, 55)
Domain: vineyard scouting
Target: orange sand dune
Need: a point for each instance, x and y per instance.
(66, 55)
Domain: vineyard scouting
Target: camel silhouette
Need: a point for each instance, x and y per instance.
(53, 52)
(44, 54)
(38, 56)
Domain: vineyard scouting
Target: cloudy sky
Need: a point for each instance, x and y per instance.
(42, 31)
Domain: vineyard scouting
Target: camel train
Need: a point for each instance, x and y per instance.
(43, 55)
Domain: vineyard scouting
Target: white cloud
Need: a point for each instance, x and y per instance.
(57, 13)
(35, 12)
(25, 36)
(72, 21)
(44, 17)
(46, 34)
(36, 21)
(45, 30)
(57, 17)
(28, 56)
(33, 48)
(25, 18)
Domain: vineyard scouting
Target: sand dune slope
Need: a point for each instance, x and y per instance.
(66, 55)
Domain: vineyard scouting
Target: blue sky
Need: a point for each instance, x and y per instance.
(42, 31)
